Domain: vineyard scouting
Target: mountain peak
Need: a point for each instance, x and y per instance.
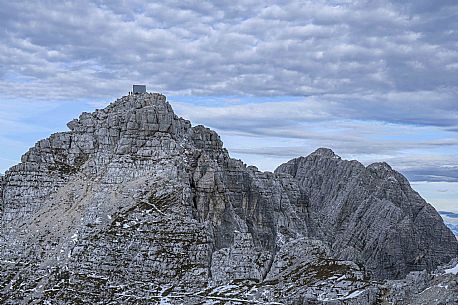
(380, 166)
(138, 100)
(136, 176)
(142, 115)
(325, 152)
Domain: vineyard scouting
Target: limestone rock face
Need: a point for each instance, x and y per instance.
(421, 287)
(1, 196)
(134, 205)
(370, 215)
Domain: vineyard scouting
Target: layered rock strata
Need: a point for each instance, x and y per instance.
(370, 215)
(134, 205)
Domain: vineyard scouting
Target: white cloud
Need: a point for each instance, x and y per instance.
(242, 47)
(371, 78)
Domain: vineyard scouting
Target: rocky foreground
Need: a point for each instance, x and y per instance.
(133, 205)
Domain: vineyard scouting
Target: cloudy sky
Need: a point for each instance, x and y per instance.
(373, 80)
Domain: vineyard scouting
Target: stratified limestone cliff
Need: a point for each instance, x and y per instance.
(370, 215)
(1, 195)
(134, 205)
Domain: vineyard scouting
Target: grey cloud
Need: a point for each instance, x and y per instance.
(442, 168)
(278, 152)
(245, 48)
(449, 214)
(436, 108)
(355, 145)
(432, 174)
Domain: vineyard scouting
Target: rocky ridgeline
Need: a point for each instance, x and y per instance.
(134, 205)
(370, 215)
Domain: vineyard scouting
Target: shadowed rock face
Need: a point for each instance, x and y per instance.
(370, 215)
(1, 195)
(134, 205)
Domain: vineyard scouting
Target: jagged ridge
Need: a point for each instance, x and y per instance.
(370, 215)
(133, 204)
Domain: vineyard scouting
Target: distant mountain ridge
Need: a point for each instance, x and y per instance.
(134, 205)
(346, 197)
(448, 214)
(450, 220)
(453, 227)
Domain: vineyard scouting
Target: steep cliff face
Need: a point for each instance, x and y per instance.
(1, 197)
(371, 215)
(133, 197)
(134, 205)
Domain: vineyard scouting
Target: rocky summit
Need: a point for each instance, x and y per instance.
(134, 205)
